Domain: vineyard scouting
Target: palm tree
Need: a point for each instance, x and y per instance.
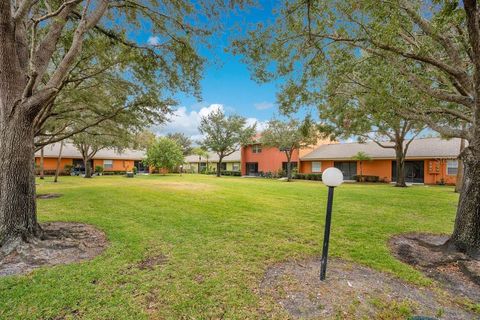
(360, 157)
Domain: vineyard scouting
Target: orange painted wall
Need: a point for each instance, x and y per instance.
(118, 165)
(383, 169)
(269, 160)
(306, 166)
(380, 168)
(441, 173)
(51, 163)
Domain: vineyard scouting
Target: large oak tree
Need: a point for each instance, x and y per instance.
(434, 46)
(49, 47)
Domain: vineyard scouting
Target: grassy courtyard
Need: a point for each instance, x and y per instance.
(218, 236)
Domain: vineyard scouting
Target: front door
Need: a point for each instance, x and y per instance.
(252, 168)
(414, 171)
(348, 168)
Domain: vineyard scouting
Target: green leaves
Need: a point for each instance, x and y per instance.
(165, 153)
(224, 135)
(289, 135)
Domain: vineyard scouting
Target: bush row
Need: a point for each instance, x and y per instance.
(309, 176)
(231, 173)
(365, 178)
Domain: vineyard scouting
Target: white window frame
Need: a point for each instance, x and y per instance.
(319, 167)
(107, 164)
(256, 148)
(449, 166)
(236, 166)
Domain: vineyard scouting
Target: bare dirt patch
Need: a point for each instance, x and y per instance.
(352, 291)
(150, 262)
(454, 270)
(48, 196)
(64, 243)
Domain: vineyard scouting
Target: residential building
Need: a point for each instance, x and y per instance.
(195, 163)
(109, 159)
(429, 160)
(257, 159)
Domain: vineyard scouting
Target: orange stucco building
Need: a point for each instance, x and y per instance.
(108, 159)
(429, 160)
(257, 159)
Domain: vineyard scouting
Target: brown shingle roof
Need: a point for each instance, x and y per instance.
(419, 148)
(70, 151)
(213, 157)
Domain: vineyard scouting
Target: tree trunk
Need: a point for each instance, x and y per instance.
(289, 170)
(59, 161)
(18, 220)
(42, 167)
(219, 165)
(466, 233)
(459, 181)
(88, 170)
(400, 162)
(361, 171)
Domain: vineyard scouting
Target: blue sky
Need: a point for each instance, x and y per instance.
(227, 84)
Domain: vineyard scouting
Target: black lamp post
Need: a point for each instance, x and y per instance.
(332, 177)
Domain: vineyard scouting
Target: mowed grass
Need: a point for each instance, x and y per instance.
(219, 235)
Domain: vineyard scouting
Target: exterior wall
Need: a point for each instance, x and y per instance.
(383, 169)
(306, 166)
(118, 165)
(269, 160)
(51, 163)
(380, 168)
(192, 167)
(440, 174)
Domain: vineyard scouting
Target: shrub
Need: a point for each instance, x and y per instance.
(98, 169)
(231, 173)
(112, 173)
(68, 169)
(135, 170)
(365, 178)
(309, 176)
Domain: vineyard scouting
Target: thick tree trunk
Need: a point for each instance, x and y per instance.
(59, 161)
(289, 170)
(18, 220)
(88, 170)
(42, 166)
(459, 181)
(219, 166)
(466, 233)
(400, 166)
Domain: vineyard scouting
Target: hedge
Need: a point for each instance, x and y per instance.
(365, 178)
(309, 176)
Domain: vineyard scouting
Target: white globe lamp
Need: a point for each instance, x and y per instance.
(332, 177)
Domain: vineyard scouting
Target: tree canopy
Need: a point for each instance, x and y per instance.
(165, 153)
(225, 134)
(289, 136)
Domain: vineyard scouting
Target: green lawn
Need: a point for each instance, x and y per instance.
(219, 234)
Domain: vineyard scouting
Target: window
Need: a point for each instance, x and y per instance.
(293, 165)
(236, 167)
(256, 148)
(316, 167)
(452, 167)
(223, 166)
(107, 164)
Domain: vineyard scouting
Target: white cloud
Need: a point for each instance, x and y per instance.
(186, 122)
(261, 125)
(263, 105)
(153, 41)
